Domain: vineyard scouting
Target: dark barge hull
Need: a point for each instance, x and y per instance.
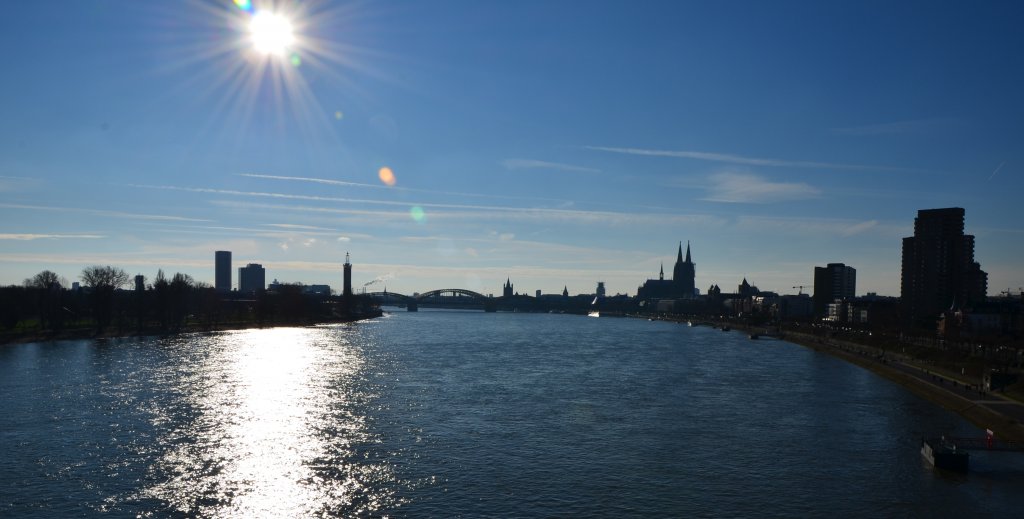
(944, 455)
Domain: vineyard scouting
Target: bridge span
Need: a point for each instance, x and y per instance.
(440, 298)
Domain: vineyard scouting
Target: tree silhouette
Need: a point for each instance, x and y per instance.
(45, 291)
(103, 281)
(180, 289)
(161, 289)
(46, 279)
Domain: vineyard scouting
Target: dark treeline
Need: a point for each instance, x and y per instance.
(43, 306)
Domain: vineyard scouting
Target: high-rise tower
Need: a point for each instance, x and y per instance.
(831, 282)
(222, 270)
(939, 271)
(252, 278)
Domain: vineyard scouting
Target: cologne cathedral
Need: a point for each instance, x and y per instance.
(681, 286)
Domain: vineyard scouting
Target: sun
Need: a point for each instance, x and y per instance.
(271, 33)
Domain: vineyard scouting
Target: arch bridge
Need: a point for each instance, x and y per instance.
(440, 298)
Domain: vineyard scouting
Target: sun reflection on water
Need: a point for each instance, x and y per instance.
(270, 425)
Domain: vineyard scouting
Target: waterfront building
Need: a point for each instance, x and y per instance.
(939, 272)
(222, 270)
(745, 289)
(794, 307)
(681, 286)
(507, 288)
(835, 281)
(252, 278)
(317, 290)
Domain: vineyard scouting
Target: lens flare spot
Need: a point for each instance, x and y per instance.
(338, 115)
(295, 60)
(387, 176)
(245, 5)
(417, 214)
(271, 33)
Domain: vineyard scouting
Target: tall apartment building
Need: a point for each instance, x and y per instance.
(939, 271)
(252, 278)
(222, 270)
(831, 282)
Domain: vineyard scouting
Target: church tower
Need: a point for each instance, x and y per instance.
(684, 273)
(507, 288)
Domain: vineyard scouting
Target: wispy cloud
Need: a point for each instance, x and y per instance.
(325, 181)
(9, 184)
(896, 127)
(101, 212)
(290, 234)
(753, 189)
(29, 237)
(462, 211)
(513, 164)
(818, 226)
(97, 259)
(859, 228)
(738, 159)
(297, 226)
(531, 215)
(503, 236)
(999, 167)
(344, 183)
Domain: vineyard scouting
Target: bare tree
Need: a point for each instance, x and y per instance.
(100, 278)
(180, 289)
(161, 291)
(45, 279)
(45, 294)
(103, 280)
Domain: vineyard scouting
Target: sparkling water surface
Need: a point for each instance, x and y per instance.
(449, 414)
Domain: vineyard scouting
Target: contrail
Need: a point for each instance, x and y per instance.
(999, 167)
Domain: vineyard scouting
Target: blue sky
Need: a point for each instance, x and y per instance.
(556, 143)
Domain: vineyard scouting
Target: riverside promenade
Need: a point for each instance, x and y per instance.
(987, 410)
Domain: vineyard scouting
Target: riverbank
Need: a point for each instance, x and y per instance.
(986, 410)
(72, 334)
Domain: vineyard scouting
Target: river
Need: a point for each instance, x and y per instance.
(472, 414)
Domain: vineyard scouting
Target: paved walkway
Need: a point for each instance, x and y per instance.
(972, 394)
(994, 401)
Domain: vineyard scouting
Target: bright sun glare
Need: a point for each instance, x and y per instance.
(271, 33)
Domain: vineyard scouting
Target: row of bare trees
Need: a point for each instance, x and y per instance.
(44, 304)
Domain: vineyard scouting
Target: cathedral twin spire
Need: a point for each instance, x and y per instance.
(679, 255)
(682, 284)
(684, 272)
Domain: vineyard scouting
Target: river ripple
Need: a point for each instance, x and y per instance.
(445, 414)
